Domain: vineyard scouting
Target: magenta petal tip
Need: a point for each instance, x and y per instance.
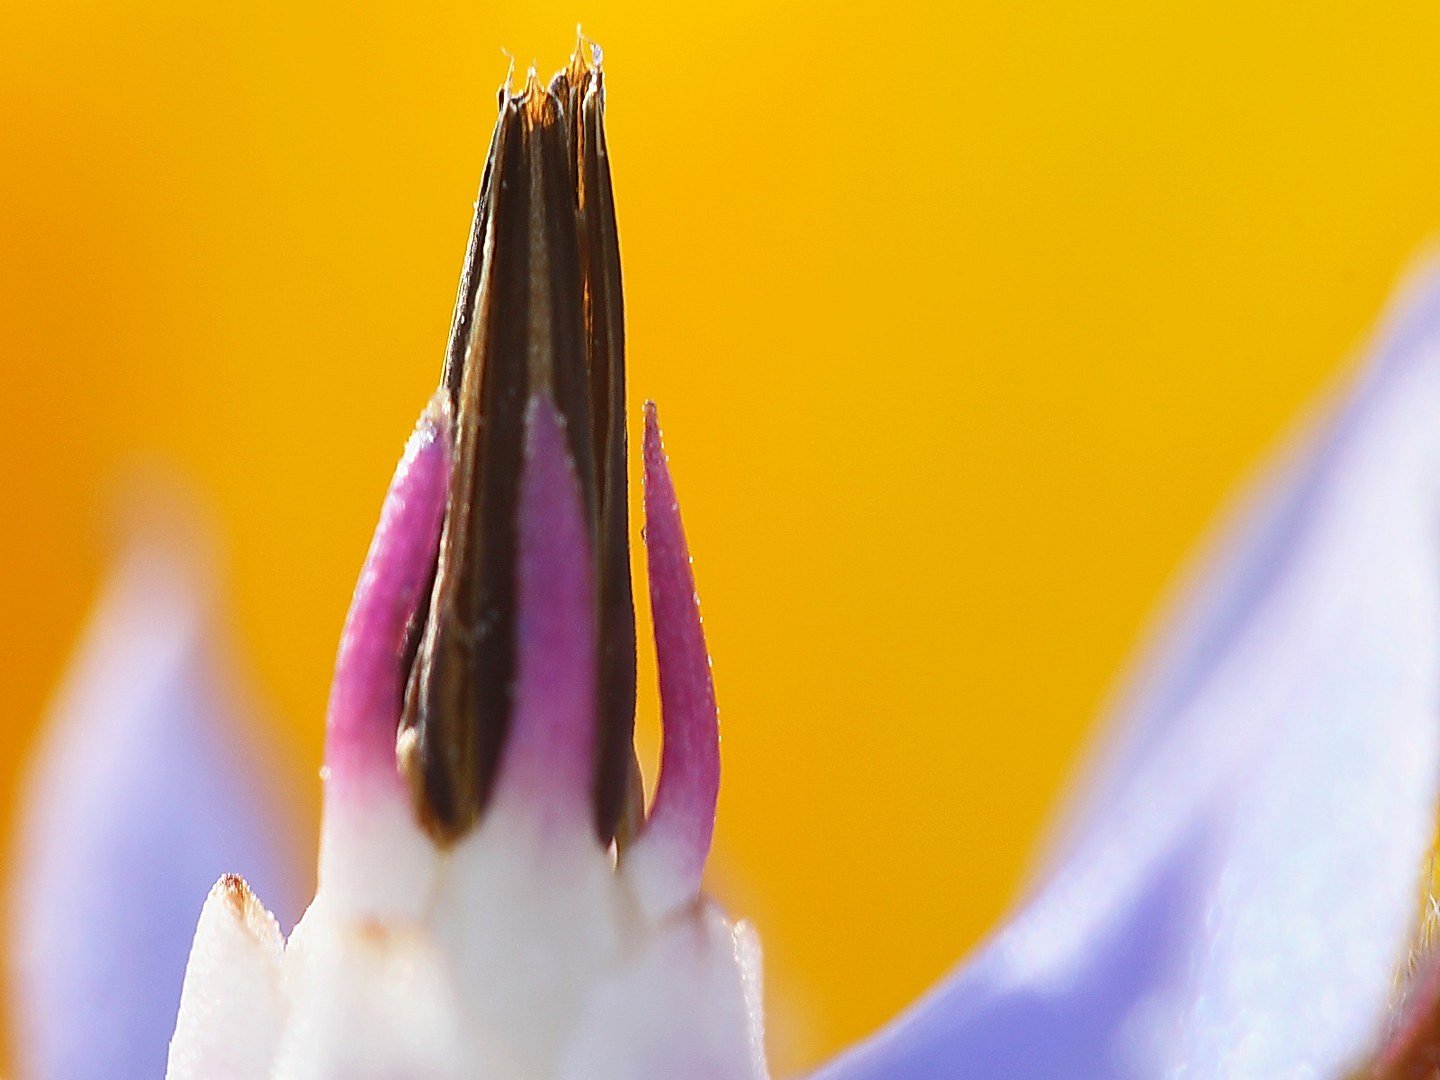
(366, 693)
(669, 857)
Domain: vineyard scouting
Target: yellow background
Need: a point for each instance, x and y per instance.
(963, 320)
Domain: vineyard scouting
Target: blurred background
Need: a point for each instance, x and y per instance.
(964, 319)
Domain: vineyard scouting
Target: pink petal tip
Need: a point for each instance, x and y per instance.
(669, 857)
(365, 697)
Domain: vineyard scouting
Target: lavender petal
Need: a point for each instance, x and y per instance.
(140, 799)
(1240, 881)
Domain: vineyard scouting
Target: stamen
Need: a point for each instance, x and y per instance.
(617, 783)
(481, 784)
(538, 312)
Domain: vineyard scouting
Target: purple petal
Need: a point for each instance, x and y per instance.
(1241, 881)
(669, 857)
(365, 696)
(139, 800)
(1242, 563)
(548, 751)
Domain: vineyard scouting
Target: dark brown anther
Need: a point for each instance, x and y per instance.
(462, 322)
(539, 310)
(618, 780)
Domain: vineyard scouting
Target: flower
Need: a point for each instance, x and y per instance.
(1234, 894)
(494, 899)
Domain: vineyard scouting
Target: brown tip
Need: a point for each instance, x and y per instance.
(507, 87)
(236, 891)
(540, 106)
(245, 906)
(585, 60)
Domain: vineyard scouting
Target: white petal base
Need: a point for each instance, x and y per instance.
(523, 955)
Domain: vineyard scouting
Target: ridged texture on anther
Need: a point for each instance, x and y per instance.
(617, 781)
(539, 312)
(470, 923)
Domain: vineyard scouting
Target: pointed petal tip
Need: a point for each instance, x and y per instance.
(668, 859)
(231, 1010)
(233, 896)
(369, 677)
